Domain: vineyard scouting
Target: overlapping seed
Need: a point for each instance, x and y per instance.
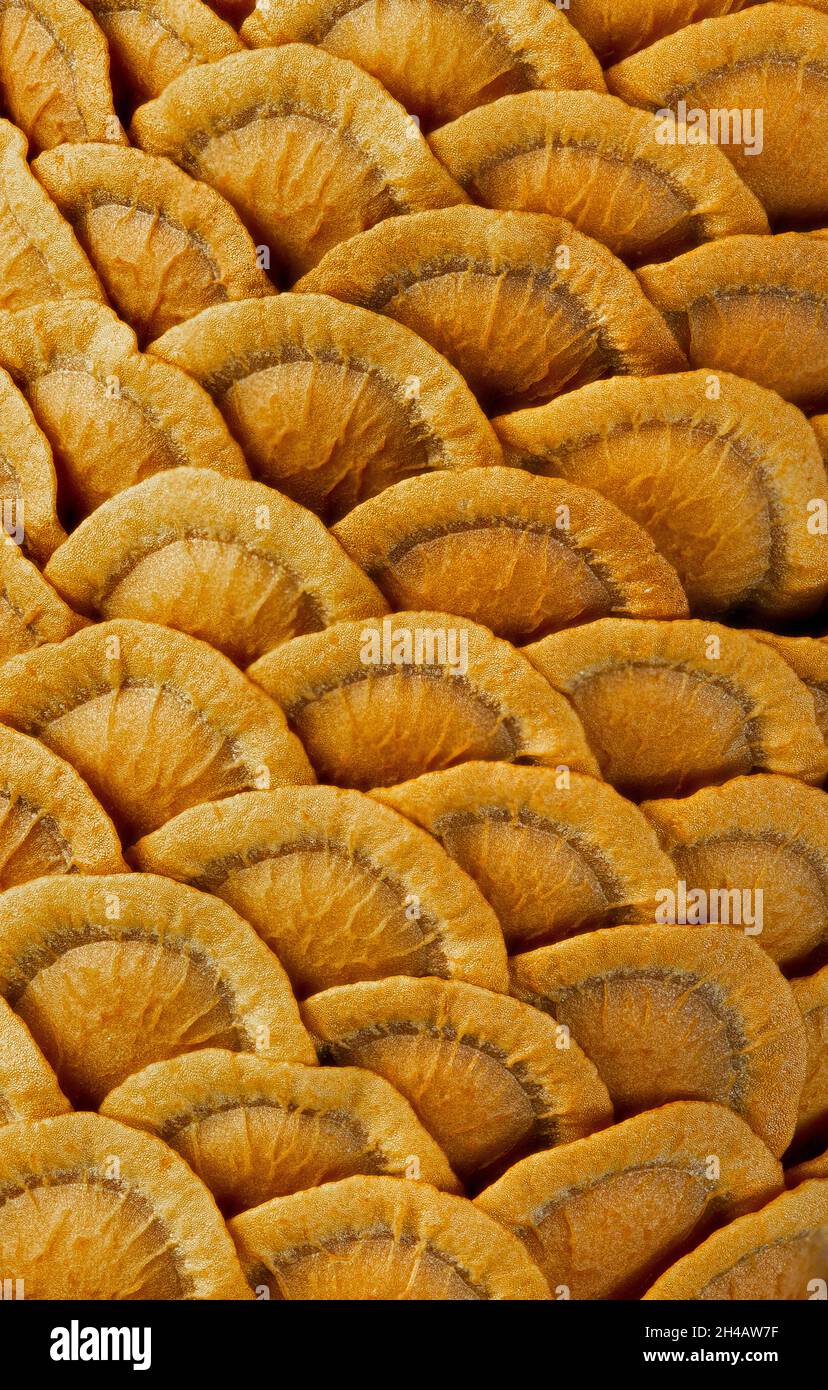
(413, 650)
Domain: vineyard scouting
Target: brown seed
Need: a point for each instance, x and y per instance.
(113, 973)
(522, 304)
(379, 701)
(678, 454)
(597, 162)
(384, 405)
(165, 246)
(54, 73)
(756, 306)
(669, 707)
(223, 559)
(554, 854)
(253, 1129)
(757, 849)
(308, 148)
(437, 58)
(95, 1210)
(776, 1253)
(490, 1077)
(153, 720)
(670, 1013)
(521, 555)
(341, 888)
(393, 1240)
(603, 1215)
(766, 63)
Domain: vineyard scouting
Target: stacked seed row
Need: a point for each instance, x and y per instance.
(414, 699)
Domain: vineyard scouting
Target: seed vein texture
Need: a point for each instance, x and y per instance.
(414, 650)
